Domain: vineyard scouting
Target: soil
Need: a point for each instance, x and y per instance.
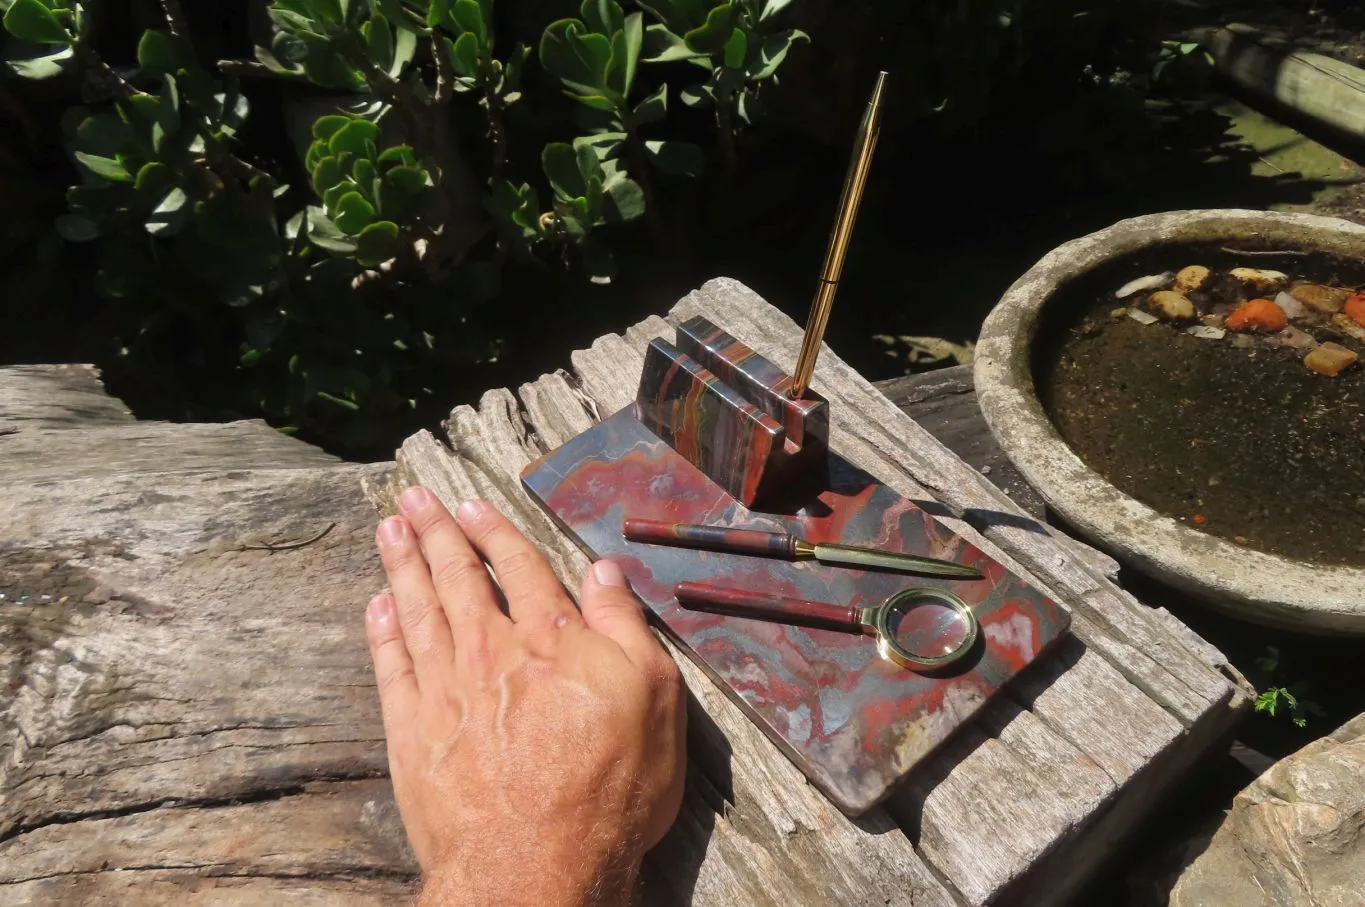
(1247, 444)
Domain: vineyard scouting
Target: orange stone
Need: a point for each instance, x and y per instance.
(1330, 359)
(1327, 300)
(1355, 309)
(1258, 315)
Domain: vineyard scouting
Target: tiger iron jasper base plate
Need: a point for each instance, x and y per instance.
(853, 723)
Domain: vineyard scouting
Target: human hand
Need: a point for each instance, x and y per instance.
(535, 755)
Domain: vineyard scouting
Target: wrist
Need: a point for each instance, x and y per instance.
(563, 877)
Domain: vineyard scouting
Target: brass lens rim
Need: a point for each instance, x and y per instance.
(906, 601)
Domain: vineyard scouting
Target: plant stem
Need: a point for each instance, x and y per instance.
(725, 125)
(175, 19)
(445, 75)
(640, 159)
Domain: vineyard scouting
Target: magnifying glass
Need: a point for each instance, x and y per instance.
(919, 628)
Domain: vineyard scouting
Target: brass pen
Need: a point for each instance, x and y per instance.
(789, 547)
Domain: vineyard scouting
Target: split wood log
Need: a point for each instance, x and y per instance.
(1025, 804)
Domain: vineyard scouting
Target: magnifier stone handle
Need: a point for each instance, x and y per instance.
(715, 538)
(757, 606)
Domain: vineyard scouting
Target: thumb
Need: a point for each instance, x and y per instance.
(610, 608)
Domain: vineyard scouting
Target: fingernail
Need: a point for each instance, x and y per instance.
(470, 511)
(392, 530)
(414, 499)
(607, 573)
(380, 609)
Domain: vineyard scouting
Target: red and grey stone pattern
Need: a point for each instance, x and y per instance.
(853, 722)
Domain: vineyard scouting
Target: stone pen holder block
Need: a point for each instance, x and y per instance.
(727, 411)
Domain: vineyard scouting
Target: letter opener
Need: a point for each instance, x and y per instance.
(788, 547)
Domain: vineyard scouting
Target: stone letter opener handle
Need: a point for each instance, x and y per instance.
(882, 621)
(789, 547)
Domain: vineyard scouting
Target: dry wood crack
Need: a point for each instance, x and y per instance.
(289, 546)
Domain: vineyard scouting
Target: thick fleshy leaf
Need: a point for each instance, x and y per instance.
(353, 213)
(74, 228)
(697, 96)
(404, 51)
(710, 38)
(437, 13)
(677, 158)
(377, 243)
(327, 174)
(664, 46)
(160, 53)
(410, 180)
(324, 233)
(736, 49)
(379, 41)
(105, 167)
(353, 137)
(568, 54)
(399, 154)
(625, 198)
(605, 17)
(468, 17)
(38, 64)
(773, 51)
(170, 217)
(560, 162)
(328, 126)
(363, 173)
(772, 8)
(154, 178)
(464, 55)
(653, 108)
(30, 20)
(329, 10)
(167, 122)
(334, 194)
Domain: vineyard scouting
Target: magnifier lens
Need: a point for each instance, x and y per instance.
(927, 626)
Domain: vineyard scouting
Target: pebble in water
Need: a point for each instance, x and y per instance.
(1260, 278)
(1349, 327)
(1171, 306)
(1328, 300)
(1150, 282)
(1190, 279)
(1330, 359)
(1258, 315)
(1142, 317)
(1292, 307)
(1355, 309)
(1205, 332)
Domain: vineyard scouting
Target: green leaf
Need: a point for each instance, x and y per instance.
(30, 20)
(772, 8)
(625, 198)
(171, 215)
(329, 10)
(334, 194)
(695, 96)
(404, 51)
(154, 178)
(167, 121)
(410, 180)
(605, 17)
(468, 17)
(625, 55)
(158, 52)
(464, 55)
(736, 49)
(710, 38)
(379, 41)
(40, 65)
(773, 51)
(104, 167)
(377, 243)
(560, 163)
(339, 401)
(353, 137)
(327, 174)
(576, 58)
(438, 12)
(399, 154)
(323, 232)
(653, 108)
(328, 126)
(363, 173)
(353, 213)
(664, 46)
(677, 158)
(74, 228)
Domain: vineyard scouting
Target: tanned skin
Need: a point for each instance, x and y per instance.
(536, 753)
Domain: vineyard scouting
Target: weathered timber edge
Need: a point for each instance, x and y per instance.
(1022, 807)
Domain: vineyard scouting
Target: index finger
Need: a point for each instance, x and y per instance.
(534, 593)
(462, 584)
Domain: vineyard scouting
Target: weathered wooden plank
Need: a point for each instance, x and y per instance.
(56, 396)
(333, 843)
(150, 659)
(34, 453)
(769, 835)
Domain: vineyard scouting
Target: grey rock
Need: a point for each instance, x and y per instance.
(1295, 836)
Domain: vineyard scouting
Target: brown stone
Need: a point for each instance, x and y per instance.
(1327, 300)
(1330, 359)
(1190, 279)
(1171, 306)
